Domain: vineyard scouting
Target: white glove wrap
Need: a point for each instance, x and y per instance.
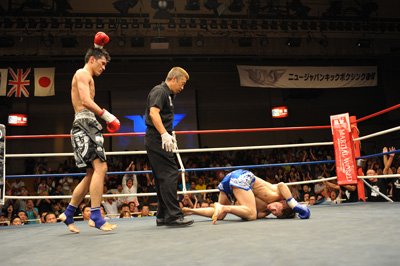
(107, 116)
(292, 203)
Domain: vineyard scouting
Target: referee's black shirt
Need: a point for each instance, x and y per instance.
(161, 97)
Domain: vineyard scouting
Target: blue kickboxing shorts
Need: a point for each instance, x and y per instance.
(242, 179)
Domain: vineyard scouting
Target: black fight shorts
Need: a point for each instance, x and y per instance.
(87, 139)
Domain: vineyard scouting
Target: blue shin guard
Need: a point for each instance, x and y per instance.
(69, 214)
(96, 217)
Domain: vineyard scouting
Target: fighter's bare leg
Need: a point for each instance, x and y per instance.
(82, 188)
(218, 213)
(77, 196)
(247, 210)
(208, 212)
(96, 194)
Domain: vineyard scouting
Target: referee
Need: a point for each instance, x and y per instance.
(159, 145)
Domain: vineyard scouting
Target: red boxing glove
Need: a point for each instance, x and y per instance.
(113, 123)
(113, 126)
(100, 39)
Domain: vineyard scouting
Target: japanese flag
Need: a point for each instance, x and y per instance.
(44, 81)
(3, 81)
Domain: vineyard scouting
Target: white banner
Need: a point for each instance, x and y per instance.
(308, 77)
(44, 81)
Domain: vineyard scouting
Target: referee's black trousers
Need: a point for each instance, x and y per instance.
(165, 173)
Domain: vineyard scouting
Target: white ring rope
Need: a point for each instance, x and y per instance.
(377, 191)
(183, 169)
(193, 191)
(209, 149)
(181, 151)
(379, 176)
(378, 133)
(111, 195)
(311, 181)
(70, 154)
(257, 147)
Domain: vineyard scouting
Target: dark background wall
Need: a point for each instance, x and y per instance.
(221, 103)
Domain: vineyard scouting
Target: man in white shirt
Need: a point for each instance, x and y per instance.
(129, 184)
(111, 207)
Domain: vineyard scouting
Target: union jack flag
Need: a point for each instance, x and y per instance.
(18, 82)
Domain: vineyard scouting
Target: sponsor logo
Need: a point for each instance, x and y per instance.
(265, 77)
(139, 124)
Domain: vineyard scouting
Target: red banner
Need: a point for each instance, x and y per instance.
(346, 169)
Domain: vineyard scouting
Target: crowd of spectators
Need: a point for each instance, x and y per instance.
(24, 211)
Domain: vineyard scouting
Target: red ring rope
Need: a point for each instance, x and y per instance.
(378, 113)
(177, 132)
(210, 131)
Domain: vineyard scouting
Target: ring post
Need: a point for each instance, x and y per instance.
(360, 183)
(2, 163)
(346, 169)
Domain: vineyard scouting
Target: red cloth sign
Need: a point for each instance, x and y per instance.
(346, 169)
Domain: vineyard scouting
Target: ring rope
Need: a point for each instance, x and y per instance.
(210, 149)
(186, 170)
(311, 181)
(377, 154)
(211, 131)
(377, 191)
(110, 195)
(379, 176)
(181, 151)
(177, 132)
(203, 169)
(378, 133)
(377, 113)
(192, 191)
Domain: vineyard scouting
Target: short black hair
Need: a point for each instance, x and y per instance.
(123, 213)
(23, 212)
(124, 205)
(13, 218)
(84, 207)
(287, 212)
(97, 53)
(45, 217)
(144, 205)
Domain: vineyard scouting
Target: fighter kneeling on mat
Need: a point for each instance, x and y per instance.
(256, 197)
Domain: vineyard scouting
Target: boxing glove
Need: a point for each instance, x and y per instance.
(113, 123)
(303, 211)
(168, 142)
(100, 39)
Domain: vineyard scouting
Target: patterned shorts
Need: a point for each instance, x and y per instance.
(242, 179)
(87, 139)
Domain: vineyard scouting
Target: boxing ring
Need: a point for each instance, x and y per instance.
(357, 233)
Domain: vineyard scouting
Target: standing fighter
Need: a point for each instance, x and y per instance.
(256, 197)
(87, 138)
(159, 145)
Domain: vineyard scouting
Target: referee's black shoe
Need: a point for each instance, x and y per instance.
(180, 222)
(160, 221)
